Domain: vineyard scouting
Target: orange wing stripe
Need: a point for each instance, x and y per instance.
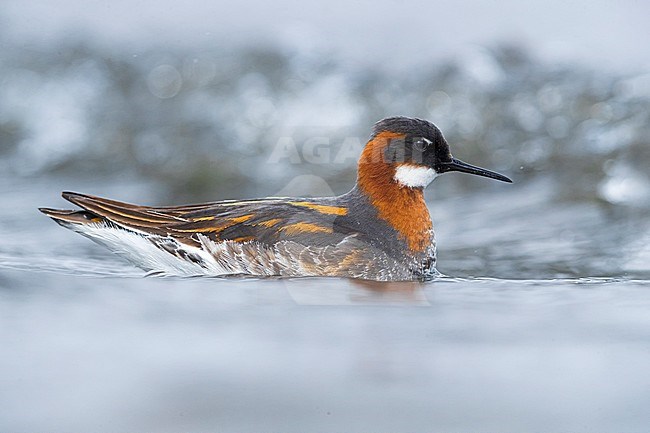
(208, 218)
(297, 228)
(241, 219)
(269, 223)
(244, 239)
(228, 222)
(328, 210)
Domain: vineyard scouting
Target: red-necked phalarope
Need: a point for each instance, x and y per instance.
(380, 230)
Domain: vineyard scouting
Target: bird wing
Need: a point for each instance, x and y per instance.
(317, 222)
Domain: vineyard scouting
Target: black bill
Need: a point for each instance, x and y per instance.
(463, 167)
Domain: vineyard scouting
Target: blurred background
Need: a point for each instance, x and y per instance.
(196, 96)
(176, 102)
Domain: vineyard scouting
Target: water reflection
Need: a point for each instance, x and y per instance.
(318, 291)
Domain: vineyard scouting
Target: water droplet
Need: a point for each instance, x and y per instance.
(164, 81)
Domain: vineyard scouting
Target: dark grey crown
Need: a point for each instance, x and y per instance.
(410, 126)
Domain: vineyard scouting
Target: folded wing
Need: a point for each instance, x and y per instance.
(315, 222)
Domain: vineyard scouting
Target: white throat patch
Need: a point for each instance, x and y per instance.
(414, 176)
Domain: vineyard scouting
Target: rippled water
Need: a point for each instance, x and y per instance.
(541, 324)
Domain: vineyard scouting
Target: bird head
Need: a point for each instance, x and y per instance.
(416, 152)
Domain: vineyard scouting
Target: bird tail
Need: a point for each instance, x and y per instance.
(67, 217)
(100, 210)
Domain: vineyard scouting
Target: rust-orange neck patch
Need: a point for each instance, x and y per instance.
(402, 207)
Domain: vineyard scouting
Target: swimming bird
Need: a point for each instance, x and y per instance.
(380, 230)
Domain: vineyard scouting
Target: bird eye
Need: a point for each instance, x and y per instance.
(420, 144)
